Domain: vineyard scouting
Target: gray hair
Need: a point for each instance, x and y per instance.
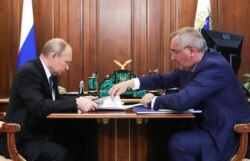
(188, 36)
(57, 45)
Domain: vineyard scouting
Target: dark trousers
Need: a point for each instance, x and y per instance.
(40, 150)
(158, 134)
(73, 140)
(187, 145)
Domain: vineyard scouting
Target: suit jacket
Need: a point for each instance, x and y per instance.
(31, 101)
(213, 88)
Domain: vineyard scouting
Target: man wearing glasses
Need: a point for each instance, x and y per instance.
(206, 82)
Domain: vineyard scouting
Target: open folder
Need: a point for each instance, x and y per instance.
(145, 110)
(107, 103)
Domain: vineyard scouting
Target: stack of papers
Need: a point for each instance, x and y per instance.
(106, 103)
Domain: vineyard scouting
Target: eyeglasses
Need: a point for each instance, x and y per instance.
(174, 52)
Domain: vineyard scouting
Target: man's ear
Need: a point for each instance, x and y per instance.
(192, 51)
(53, 55)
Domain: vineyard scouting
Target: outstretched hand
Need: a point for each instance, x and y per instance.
(120, 88)
(147, 98)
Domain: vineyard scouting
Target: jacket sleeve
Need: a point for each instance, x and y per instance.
(194, 87)
(36, 96)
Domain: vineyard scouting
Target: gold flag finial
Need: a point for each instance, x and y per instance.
(122, 65)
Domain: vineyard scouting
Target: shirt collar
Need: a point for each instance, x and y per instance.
(197, 64)
(47, 72)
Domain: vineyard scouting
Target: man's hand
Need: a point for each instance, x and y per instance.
(147, 98)
(86, 104)
(120, 88)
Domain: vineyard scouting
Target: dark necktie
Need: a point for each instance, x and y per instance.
(51, 84)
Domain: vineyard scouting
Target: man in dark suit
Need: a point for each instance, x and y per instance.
(206, 82)
(34, 95)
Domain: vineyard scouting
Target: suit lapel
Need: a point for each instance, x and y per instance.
(41, 70)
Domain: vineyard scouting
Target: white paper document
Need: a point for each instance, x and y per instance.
(173, 111)
(106, 103)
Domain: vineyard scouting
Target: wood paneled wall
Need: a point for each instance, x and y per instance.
(103, 30)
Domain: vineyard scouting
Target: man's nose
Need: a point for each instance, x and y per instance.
(67, 67)
(173, 57)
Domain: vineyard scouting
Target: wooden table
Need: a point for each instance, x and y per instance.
(4, 100)
(128, 114)
(121, 134)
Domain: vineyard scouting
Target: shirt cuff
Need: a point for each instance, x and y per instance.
(153, 102)
(136, 83)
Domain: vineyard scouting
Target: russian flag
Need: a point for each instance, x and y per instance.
(203, 15)
(27, 48)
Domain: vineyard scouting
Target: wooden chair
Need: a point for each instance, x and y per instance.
(10, 129)
(244, 131)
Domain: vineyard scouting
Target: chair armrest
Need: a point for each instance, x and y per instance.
(11, 129)
(241, 128)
